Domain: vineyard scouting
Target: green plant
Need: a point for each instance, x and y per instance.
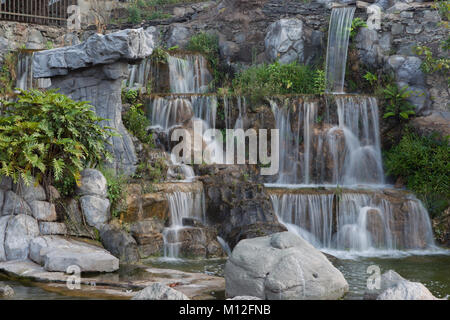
(49, 136)
(319, 81)
(8, 74)
(357, 23)
(159, 55)
(116, 184)
(136, 122)
(208, 45)
(272, 79)
(154, 171)
(130, 96)
(397, 104)
(371, 78)
(424, 163)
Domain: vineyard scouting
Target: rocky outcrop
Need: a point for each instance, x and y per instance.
(288, 40)
(55, 253)
(282, 266)
(93, 71)
(159, 291)
(120, 243)
(238, 207)
(395, 287)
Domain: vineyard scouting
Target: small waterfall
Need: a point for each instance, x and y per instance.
(24, 73)
(233, 103)
(338, 38)
(354, 222)
(139, 74)
(189, 74)
(312, 151)
(181, 205)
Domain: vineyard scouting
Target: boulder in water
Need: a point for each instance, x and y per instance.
(6, 291)
(159, 291)
(120, 243)
(282, 266)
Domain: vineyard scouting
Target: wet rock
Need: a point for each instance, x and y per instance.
(282, 266)
(159, 291)
(52, 228)
(178, 36)
(95, 210)
(92, 183)
(20, 231)
(55, 253)
(395, 287)
(14, 205)
(43, 211)
(119, 243)
(6, 291)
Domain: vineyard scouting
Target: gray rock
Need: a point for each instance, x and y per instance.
(55, 253)
(43, 211)
(126, 45)
(282, 266)
(35, 40)
(397, 28)
(6, 183)
(30, 192)
(395, 287)
(3, 224)
(52, 228)
(20, 231)
(159, 291)
(92, 183)
(6, 291)
(244, 298)
(95, 210)
(15, 205)
(71, 39)
(121, 244)
(178, 36)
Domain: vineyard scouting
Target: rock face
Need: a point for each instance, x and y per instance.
(43, 211)
(95, 210)
(93, 71)
(3, 224)
(282, 266)
(288, 40)
(120, 243)
(55, 253)
(159, 291)
(20, 231)
(395, 287)
(14, 205)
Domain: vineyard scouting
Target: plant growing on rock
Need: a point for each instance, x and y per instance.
(49, 136)
(397, 105)
(115, 190)
(357, 23)
(136, 122)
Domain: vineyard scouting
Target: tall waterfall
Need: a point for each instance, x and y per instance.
(345, 151)
(338, 38)
(181, 205)
(355, 222)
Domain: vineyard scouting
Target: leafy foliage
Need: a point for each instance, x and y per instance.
(8, 74)
(272, 79)
(115, 190)
(424, 163)
(49, 136)
(208, 45)
(136, 122)
(397, 105)
(140, 10)
(357, 23)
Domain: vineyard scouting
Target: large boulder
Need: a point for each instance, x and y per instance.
(20, 231)
(95, 210)
(14, 205)
(43, 211)
(159, 291)
(3, 224)
(395, 287)
(92, 183)
(55, 253)
(289, 40)
(120, 243)
(282, 266)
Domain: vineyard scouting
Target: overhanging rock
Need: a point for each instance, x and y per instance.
(93, 71)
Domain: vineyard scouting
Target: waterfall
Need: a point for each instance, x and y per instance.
(139, 74)
(353, 222)
(181, 205)
(24, 73)
(345, 152)
(189, 74)
(338, 38)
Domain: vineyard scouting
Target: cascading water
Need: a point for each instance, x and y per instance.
(189, 74)
(315, 152)
(355, 223)
(139, 74)
(181, 205)
(24, 73)
(338, 38)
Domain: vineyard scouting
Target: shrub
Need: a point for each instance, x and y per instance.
(271, 79)
(136, 122)
(424, 163)
(115, 190)
(49, 136)
(397, 105)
